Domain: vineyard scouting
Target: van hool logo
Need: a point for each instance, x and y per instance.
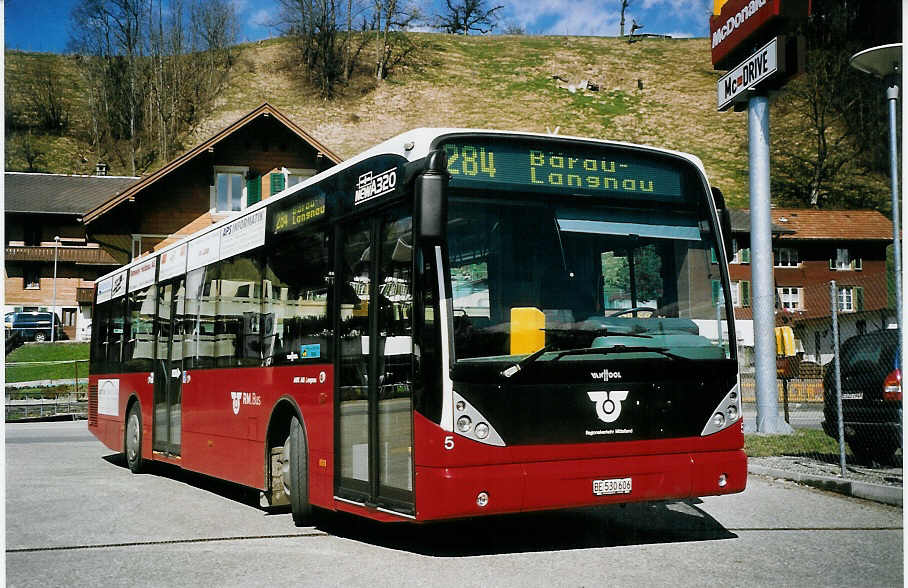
(605, 375)
(249, 398)
(370, 186)
(608, 404)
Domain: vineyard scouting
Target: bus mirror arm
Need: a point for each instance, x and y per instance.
(724, 221)
(431, 200)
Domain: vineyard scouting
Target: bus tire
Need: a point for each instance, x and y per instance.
(297, 473)
(133, 441)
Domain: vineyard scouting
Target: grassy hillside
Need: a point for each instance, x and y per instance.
(658, 91)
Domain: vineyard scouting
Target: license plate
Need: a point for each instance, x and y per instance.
(611, 486)
(853, 396)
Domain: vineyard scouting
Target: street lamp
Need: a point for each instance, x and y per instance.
(885, 62)
(53, 309)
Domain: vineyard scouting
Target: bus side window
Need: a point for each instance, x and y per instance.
(198, 326)
(99, 337)
(116, 333)
(295, 324)
(237, 329)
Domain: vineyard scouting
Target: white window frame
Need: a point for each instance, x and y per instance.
(227, 169)
(785, 256)
(736, 294)
(296, 171)
(791, 297)
(846, 296)
(844, 261)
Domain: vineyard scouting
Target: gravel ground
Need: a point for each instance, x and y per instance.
(888, 476)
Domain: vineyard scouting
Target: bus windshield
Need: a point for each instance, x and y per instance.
(533, 274)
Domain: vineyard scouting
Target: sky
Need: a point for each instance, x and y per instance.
(43, 25)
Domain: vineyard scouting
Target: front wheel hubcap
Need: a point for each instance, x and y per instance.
(132, 438)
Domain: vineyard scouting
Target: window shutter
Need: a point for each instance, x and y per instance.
(712, 256)
(717, 290)
(253, 191)
(745, 255)
(858, 265)
(745, 294)
(859, 299)
(277, 182)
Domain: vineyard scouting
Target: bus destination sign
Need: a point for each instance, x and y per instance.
(563, 168)
(299, 214)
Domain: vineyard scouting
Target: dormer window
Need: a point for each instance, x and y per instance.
(845, 260)
(785, 257)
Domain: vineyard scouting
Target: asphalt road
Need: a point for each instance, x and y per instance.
(76, 516)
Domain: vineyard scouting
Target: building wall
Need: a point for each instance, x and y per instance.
(813, 274)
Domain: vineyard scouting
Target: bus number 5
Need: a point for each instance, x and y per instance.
(449, 442)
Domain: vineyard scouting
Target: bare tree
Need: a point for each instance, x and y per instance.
(312, 24)
(392, 47)
(149, 76)
(466, 16)
(624, 4)
(45, 98)
(834, 115)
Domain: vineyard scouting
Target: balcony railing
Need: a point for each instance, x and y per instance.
(82, 255)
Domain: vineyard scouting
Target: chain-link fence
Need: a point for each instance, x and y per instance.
(840, 389)
(46, 389)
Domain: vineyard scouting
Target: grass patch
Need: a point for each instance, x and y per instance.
(47, 352)
(801, 442)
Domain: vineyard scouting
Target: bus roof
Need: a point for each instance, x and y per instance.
(411, 145)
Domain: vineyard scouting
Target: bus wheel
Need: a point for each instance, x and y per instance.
(134, 439)
(295, 473)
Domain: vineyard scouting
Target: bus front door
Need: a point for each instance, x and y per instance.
(374, 362)
(168, 373)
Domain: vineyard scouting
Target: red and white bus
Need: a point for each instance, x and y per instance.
(452, 324)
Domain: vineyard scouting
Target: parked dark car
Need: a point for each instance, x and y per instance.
(871, 396)
(33, 325)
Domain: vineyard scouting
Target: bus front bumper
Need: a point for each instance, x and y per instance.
(468, 491)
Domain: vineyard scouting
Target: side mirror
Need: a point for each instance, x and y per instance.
(431, 199)
(724, 222)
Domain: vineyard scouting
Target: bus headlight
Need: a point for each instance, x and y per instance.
(472, 424)
(726, 413)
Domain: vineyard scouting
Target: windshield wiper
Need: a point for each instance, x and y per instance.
(598, 332)
(523, 362)
(621, 349)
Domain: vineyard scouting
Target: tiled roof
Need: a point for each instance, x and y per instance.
(53, 193)
(848, 225)
(812, 223)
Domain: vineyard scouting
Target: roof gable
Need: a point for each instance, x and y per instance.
(264, 109)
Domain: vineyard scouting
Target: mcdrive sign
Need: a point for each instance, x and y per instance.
(756, 68)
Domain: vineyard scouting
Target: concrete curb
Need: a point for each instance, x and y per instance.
(876, 492)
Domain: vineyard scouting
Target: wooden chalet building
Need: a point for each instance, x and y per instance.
(257, 156)
(104, 222)
(38, 208)
(811, 248)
